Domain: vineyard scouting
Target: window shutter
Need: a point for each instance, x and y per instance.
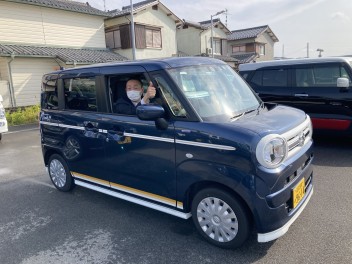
(140, 36)
(156, 38)
(224, 47)
(149, 37)
(117, 39)
(125, 36)
(109, 37)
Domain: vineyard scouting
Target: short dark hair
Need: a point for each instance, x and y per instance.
(135, 79)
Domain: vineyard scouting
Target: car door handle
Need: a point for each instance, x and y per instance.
(301, 95)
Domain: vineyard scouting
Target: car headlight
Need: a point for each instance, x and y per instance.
(271, 151)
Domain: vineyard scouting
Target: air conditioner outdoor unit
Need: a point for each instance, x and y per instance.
(209, 51)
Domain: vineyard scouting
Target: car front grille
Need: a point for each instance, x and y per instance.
(298, 137)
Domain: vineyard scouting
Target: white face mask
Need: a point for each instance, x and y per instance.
(134, 96)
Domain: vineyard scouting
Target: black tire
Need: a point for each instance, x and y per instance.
(0, 136)
(59, 173)
(220, 218)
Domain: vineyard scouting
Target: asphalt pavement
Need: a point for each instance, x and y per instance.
(39, 224)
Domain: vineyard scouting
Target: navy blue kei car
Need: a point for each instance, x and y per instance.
(204, 147)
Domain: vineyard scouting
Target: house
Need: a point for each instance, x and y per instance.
(194, 39)
(154, 26)
(39, 36)
(252, 44)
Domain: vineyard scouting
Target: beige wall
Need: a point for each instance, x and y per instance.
(188, 40)
(269, 47)
(206, 38)
(27, 74)
(156, 18)
(34, 25)
(4, 82)
(195, 41)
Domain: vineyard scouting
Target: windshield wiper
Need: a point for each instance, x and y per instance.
(236, 117)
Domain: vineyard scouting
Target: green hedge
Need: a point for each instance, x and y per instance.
(22, 116)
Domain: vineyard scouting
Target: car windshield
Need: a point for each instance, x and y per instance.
(216, 92)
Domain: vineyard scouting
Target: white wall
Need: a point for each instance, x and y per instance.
(4, 84)
(188, 40)
(269, 47)
(156, 18)
(28, 24)
(27, 74)
(206, 38)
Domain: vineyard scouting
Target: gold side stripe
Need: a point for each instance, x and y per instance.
(89, 178)
(144, 194)
(180, 205)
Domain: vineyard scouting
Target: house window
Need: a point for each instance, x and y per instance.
(153, 38)
(217, 46)
(236, 49)
(113, 39)
(146, 37)
(261, 49)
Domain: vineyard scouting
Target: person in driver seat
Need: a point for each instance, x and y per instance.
(134, 91)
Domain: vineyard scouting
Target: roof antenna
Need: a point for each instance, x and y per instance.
(226, 17)
(104, 6)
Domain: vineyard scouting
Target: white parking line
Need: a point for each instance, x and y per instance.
(30, 129)
(40, 183)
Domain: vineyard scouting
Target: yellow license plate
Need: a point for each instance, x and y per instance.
(298, 193)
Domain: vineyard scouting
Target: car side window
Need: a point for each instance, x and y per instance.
(275, 78)
(80, 94)
(171, 99)
(257, 78)
(320, 76)
(49, 95)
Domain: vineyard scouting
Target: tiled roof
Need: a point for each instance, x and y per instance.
(205, 24)
(245, 57)
(225, 58)
(251, 33)
(219, 57)
(67, 5)
(67, 55)
(127, 9)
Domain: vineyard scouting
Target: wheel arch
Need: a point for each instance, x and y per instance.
(198, 186)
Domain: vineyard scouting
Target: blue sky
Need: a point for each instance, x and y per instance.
(324, 24)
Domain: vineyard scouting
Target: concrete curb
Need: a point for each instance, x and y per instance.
(22, 127)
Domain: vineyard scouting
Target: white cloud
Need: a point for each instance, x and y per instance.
(340, 16)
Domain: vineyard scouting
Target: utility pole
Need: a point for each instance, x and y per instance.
(133, 39)
(307, 49)
(212, 39)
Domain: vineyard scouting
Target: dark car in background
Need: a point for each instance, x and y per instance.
(320, 86)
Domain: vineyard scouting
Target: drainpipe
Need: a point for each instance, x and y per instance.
(11, 88)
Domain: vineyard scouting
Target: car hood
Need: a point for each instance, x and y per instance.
(278, 119)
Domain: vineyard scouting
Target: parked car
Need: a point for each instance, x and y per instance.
(207, 148)
(321, 87)
(3, 121)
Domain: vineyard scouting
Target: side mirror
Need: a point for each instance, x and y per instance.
(343, 83)
(150, 111)
(1, 100)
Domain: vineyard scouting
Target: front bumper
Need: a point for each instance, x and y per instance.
(266, 237)
(274, 209)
